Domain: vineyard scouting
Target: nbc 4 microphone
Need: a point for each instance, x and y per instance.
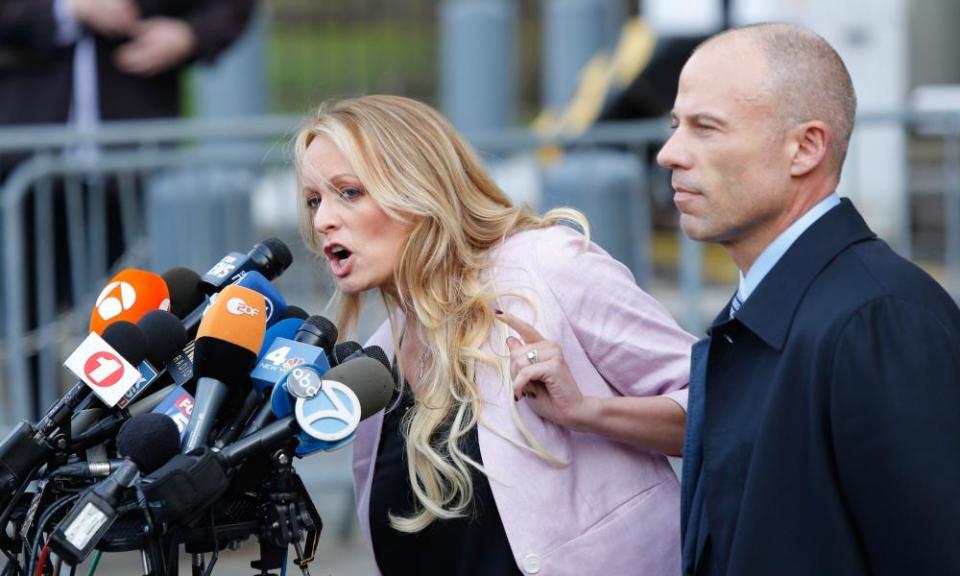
(312, 343)
(258, 398)
(229, 337)
(146, 442)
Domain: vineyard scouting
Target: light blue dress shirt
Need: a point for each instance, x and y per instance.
(772, 253)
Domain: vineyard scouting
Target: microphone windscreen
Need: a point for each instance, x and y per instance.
(238, 316)
(369, 380)
(230, 335)
(282, 329)
(278, 256)
(294, 312)
(183, 284)
(274, 301)
(150, 440)
(128, 340)
(344, 349)
(165, 335)
(318, 331)
(377, 354)
(128, 296)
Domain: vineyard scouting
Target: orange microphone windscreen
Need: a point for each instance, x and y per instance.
(129, 296)
(238, 316)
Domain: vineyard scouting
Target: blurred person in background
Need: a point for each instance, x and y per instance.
(85, 61)
(502, 451)
(824, 413)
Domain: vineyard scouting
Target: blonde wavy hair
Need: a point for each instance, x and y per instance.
(416, 167)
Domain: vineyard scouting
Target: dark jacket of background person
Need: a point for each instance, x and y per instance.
(36, 74)
(829, 424)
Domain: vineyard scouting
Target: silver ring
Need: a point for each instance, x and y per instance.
(533, 356)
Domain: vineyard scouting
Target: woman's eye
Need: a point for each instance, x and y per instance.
(313, 202)
(350, 193)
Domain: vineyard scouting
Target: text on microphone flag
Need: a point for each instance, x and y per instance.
(103, 369)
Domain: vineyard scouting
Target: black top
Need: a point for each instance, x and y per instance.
(474, 545)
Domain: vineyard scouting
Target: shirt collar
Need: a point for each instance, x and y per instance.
(776, 249)
(771, 309)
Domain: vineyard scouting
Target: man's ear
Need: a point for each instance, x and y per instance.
(811, 144)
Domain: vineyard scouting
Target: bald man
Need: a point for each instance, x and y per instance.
(823, 432)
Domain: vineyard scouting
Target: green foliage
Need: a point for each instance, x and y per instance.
(311, 63)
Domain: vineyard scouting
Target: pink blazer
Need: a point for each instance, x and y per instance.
(613, 509)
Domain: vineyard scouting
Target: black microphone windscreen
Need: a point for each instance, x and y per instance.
(377, 354)
(294, 312)
(166, 336)
(183, 284)
(127, 339)
(278, 253)
(222, 360)
(345, 349)
(370, 381)
(149, 440)
(318, 331)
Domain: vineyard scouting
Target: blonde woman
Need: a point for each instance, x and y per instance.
(541, 454)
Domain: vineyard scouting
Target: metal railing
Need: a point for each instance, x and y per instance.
(37, 323)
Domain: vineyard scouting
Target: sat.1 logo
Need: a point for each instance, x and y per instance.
(103, 369)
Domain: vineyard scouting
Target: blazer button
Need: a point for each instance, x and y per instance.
(532, 563)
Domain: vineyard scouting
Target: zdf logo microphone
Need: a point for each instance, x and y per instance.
(238, 307)
(129, 296)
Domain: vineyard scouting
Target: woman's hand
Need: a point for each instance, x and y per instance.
(541, 375)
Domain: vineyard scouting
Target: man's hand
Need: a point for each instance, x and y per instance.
(106, 17)
(157, 44)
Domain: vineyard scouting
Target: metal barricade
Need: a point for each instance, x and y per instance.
(257, 145)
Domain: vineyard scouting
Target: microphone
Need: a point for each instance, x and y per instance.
(263, 377)
(147, 442)
(374, 352)
(276, 305)
(344, 350)
(104, 365)
(311, 338)
(320, 332)
(129, 295)
(349, 393)
(315, 336)
(88, 469)
(269, 257)
(165, 338)
(185, 291)
(190, 482)
(177, 405)
(229, 337)
(294, 312)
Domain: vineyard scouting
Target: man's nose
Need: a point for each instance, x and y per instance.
(672, 155)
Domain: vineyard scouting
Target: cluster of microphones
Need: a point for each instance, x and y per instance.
(192, 390)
